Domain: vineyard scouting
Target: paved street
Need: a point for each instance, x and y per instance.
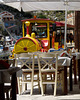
(49, 97)
(75, 94)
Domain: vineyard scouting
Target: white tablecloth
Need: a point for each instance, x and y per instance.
(77, 54)
(62, 61)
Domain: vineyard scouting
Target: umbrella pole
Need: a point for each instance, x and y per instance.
(65, 28)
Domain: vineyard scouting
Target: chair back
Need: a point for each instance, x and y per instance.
(47, 60)
(24, 61)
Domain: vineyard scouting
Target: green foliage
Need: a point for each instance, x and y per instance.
(54, 15)
(41, 16)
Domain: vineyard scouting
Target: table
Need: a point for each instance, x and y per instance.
(5, 75)
(67, 62)
(76, 57)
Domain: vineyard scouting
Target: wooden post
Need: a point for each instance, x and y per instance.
(13, 84)
(77, 30)
(70, 76)
(2, 97)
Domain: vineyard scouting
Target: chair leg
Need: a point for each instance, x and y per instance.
(11, 94)
(55, 85)
(52, 79)
(38, 83)
(41, 85)
(53, 75)
(24, 84)
(19, 88)
(54, 89)
(44, 86)
(32, 78)
(7, 95)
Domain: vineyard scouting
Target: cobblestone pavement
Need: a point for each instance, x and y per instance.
(72, 95)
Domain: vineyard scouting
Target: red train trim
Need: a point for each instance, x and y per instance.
(25, 38)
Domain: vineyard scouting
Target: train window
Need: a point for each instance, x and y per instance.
(40, 29)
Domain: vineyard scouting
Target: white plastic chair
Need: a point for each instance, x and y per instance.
(26, 62)
(48, 64)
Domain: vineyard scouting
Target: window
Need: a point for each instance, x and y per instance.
(40, 29)
(8, 19)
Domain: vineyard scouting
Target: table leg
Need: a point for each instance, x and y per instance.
(65, 80)
(79, 71)
(2, 97)
(75, 74)
(13, 84)
(70, 76)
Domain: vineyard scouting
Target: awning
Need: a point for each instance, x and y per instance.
(32, 5)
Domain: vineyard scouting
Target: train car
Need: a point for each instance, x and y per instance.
(41, 29)
(38, 34)
(60, 31)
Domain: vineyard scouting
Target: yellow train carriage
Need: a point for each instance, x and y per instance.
(27, 43)
(41, 28)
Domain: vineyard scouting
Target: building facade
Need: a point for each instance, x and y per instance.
(71, 21)
(71, 18)
(9, 22)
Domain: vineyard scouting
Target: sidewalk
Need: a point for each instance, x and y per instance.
(72, 95)
(49, 97)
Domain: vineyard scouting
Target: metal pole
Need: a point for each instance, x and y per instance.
(65, 35)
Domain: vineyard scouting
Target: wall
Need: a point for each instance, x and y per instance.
(77, 29)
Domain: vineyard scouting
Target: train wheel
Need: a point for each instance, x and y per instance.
(25, 45)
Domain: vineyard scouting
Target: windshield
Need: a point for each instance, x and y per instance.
(40, 29)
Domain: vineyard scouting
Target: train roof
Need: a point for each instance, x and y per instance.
(38, 20)
(58, 24)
